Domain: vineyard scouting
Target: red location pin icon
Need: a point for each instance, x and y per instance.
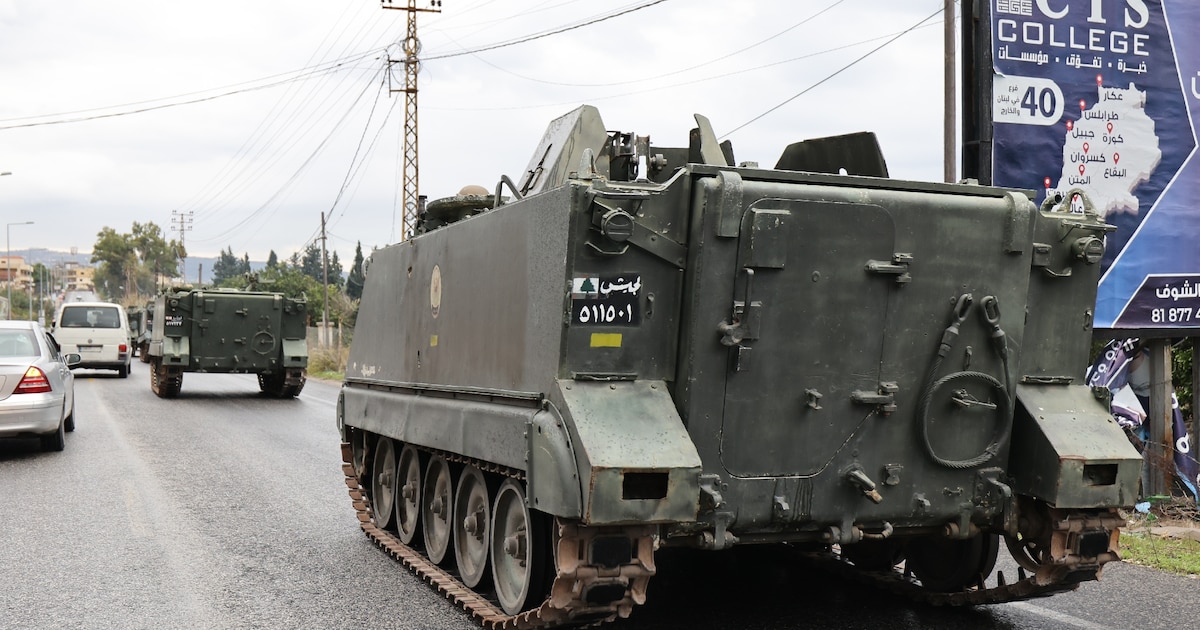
(1116, 158)
(1046, 182)
(1070, 125)
(1086, 146)
(1081, 169)
(1082, 105)
(1099, 80)
(1109, 127)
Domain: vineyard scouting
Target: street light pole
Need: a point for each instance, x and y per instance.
(8, 259)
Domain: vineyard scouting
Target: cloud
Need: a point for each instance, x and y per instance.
(258, 168)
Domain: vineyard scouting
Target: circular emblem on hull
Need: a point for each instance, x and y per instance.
(435, 291)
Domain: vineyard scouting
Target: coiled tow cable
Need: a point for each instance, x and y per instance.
(990, 311)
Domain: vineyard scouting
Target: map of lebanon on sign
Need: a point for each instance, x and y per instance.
(1111, 149)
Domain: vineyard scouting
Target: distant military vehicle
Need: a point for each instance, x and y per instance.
(142, 331)
(232, 331)
(649, 346)
(137, 324)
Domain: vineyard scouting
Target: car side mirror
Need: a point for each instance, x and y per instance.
(72, 360)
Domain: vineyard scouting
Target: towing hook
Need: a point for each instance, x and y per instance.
(962, 306)
(990, 311)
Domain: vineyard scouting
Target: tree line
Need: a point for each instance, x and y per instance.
(130, 266)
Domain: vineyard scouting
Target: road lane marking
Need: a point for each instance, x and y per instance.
(1034, 609)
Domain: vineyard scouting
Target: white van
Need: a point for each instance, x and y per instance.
(98, 331)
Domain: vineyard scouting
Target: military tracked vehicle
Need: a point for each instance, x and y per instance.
(229, 331)
(634, 347)
(145, 325)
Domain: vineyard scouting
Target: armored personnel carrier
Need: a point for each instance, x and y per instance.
(637, 346)
(143, 328)
(230, 331)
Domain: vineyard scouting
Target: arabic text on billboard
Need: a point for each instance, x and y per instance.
(1104, 96)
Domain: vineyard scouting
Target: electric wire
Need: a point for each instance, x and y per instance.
(228, 170)
(664, 75)
(284, 140)
(833, 74)
(660, 88)
(290, 77)
(280, 119)
(540, 35)
(275, 142)
(354, 165)
(295, 175)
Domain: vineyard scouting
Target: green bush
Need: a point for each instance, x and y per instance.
(328, 363)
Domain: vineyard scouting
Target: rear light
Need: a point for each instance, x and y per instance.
(34, 382)
(123, 348)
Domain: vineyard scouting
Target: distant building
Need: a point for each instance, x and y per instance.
(78, 277)
(16, 273)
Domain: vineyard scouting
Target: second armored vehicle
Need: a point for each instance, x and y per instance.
(230, 331)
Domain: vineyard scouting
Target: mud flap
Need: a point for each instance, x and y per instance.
(636, 459)
(1068, 451)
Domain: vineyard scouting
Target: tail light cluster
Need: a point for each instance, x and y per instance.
(34, 382)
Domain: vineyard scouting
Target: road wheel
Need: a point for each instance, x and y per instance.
(383, 482)
(471, 506)
(293, 390)
(271, 384)
(947, 565)
(161, 382)
(408, 495)
(55, 441)
(155, 380)
(437, 503)
(123, 371)
(520, 550)
(69, 422)
(874, 555)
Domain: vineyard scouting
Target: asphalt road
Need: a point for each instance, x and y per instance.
(226, 509)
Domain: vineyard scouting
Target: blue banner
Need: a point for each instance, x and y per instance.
(1115, 369)
(1104, 96)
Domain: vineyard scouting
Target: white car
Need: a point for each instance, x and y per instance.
(37, 389)
(98, 331)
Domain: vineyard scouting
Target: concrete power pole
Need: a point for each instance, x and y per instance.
(412, 48)
(949, 137)
(325, 291)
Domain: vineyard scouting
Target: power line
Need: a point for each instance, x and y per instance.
(543, 34)
(834, 74)
(659, 88)
(673, 72)
(304, 74)
(295, 175)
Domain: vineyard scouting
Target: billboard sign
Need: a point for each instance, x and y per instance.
(1104, 96)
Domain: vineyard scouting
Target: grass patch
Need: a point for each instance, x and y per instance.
(1181, 557)
(328, 363)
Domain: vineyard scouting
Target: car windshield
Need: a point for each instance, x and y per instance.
(17, 343)
(90, 317)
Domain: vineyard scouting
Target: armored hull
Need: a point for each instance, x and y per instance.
(228, 331)
(647, 346)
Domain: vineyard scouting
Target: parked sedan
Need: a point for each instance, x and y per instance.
(37, 389)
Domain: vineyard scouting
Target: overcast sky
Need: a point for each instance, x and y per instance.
(292, 115)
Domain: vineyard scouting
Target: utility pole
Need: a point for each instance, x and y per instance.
(412, 47)
(182, 222)
(325, 292)
(949, 170)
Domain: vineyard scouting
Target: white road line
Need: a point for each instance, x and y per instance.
(1064, 618)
